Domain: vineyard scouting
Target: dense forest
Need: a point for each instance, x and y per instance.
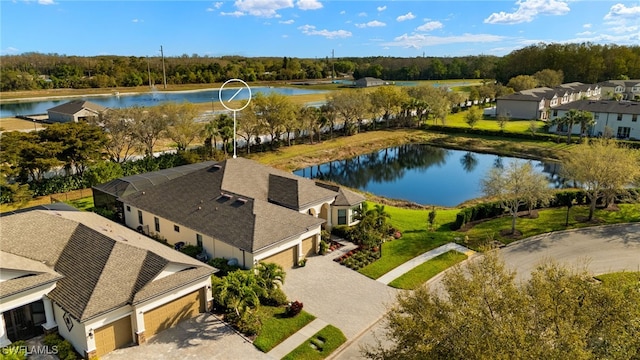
(584, 62)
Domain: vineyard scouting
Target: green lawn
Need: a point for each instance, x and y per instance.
(425, 271)
(457, 120)
(550, 220)
(319, 346)
(85, 203)
(619, 279)
(276, 327)
(416, 238)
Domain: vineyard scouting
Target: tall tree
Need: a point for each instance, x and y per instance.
(273, 110)
(81, 144)
(472, 116)
(522, 82)
(602, 168)
(183, 128)
(148, 126)
(482, 312)
(515, 185)
(386, 101)
(351, 105)
(549, 78)
(248, 128)
(120, 144)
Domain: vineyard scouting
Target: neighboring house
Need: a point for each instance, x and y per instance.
(74, 111)
(620, 116)
(100, 285)
(535, 103)
(369, 82)
(622, 89)
(236, 209)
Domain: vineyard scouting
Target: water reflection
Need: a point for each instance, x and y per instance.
(421, 173)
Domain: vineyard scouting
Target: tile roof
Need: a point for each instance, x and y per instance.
(73, 107)
(229, 201)
(104, 265)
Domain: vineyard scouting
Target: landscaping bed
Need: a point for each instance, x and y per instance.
(277, 326)
(358, 258)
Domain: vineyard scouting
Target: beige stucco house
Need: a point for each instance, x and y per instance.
(100, 285)
(74, 111)
(236, 209)
(622, 89)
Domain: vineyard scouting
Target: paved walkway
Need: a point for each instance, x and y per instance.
(297, 339)
(418, 260)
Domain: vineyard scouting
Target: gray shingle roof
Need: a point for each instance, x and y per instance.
(33, 274)
(345, 196)
(603, 106)
(73, 107)
(104, 264)
(229, 201)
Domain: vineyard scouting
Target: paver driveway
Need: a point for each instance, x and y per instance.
(338, 295)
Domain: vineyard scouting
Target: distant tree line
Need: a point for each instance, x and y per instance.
(584, 62)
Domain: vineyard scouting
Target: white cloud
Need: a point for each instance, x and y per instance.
(374, 23)
(621, 11)
(8, 51)
(263, 8)
(46, 2)
(585, 33)
(137, 20)
(311, 30)
(429, 26)
(342, 12)
(210, 9)
(587, 26)
(362, 14)
(218, 4)
(234, 14)
(407, 16)
(528, 10)
(621, 29)
(418, 41)
(286, 22)
(382, 8)
(309, 4)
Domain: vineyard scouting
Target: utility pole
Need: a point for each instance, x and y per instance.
(333, 68)
(164, 73)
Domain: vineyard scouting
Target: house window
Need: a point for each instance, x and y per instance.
(342, 216)
(140, 217)
(199, 240)
(555, 112)
(596, 116)
(128, 208)
(619, 117)
(176, 228)
(157, 223)
(623, 132)
(634, 117)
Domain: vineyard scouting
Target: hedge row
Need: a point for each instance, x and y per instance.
(494, 209)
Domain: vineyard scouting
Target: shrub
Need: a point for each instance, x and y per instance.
(222, 264)
(249, 323)
(275, 297)
(191, 250)
(65, 349)
(324, 246)
(14, 351)
(342, 231)
(294, 308)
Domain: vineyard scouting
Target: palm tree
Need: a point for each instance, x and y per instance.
(239, 290)
(270, 275)
(585, 119)
(569, 119)
(210, 132)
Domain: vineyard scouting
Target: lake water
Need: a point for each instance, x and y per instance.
(419, 173)
(151, 98)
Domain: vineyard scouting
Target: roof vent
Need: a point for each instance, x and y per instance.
(143, 193)
(239, 202)
(224, 197)
(215, 167)
(199, 207)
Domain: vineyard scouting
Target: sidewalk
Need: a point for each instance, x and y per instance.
(402, 269)
(297, 339)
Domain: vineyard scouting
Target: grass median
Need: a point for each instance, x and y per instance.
(277, 327)
(425, 271)
(319, 346)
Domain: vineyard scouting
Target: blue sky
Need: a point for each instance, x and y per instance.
(310, 28)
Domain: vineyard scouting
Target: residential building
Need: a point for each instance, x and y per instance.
(99, 284)
(535, 104)
(621, 89)
(620, 116)
(74, 111)
(235, 209)
(369, 82)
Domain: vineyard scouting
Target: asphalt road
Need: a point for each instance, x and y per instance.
(600, 250)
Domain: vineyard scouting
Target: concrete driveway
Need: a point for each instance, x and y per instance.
(598, 249)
